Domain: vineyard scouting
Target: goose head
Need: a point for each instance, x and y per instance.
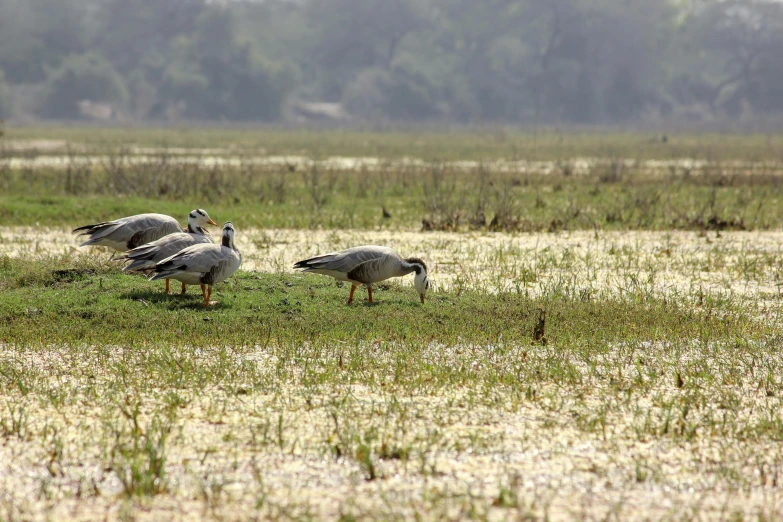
(420, 280)
(228, 235)
(197, 219)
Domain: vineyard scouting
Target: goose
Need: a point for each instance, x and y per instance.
(130, 232)
(147, 256)
(204, 264)
(365, 265)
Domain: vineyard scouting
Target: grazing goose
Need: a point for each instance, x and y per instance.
(129, 232)
(204, 264)
(366, 265)
(147, 256)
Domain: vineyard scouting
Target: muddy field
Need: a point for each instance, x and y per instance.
(590, 450)
(366, 452)
(655, 394)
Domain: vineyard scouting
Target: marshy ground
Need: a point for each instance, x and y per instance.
(603, 340)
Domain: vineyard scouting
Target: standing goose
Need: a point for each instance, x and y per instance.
(147, 256)
(204, 264)
(365, 265)
(129, 232)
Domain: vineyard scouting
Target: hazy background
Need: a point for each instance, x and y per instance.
(524, 62)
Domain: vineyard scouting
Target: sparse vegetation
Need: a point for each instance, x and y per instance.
(614, 192)
(543, 366)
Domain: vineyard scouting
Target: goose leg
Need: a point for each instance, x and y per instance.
(207, 302)
(353, 289)
(369, 293)
(184, 286)
(168, 288)
(204, 293)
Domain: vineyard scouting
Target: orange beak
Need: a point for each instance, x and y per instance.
(211, 222)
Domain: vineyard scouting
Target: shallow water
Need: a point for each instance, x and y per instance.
(18, 156)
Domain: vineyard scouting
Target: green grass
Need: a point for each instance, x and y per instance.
(738, 187)
(430, 145)
(50, 302)
(429, 198)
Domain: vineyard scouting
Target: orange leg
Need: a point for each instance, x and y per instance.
(369, 292)
(183, 289)
(204, 293)
(350, 297)
(209, 296)
(168, 288)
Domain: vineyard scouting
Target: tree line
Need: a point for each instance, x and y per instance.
(516, 61)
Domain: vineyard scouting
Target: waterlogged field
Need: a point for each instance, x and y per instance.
(603, 339)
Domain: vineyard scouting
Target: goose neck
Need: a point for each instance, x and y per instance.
(407, 267)
(195, 229)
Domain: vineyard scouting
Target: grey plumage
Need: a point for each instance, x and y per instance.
(367, 265)
(204, 264)
(130, 232)
(147, 256)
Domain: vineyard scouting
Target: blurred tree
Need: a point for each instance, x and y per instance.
(747, 37)
(139, 33)
(5, 97)
(84, 77)
(533, 61)
(215, 77)
(353, 35)
(36, 34)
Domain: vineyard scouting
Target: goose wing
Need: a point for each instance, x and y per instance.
(148, 230)
(131, 231)
(374, 270)
(146, 256)
(215, 262)
(347, 260)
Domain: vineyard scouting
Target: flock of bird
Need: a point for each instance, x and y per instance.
(157, 245)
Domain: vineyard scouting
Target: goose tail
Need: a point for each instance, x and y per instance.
(164, 274)
(313, 262)
(90, 229)
(138, 265)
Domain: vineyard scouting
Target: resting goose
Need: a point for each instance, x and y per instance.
(204, 264)
(365, 265)
(130, 232)
(147, 256)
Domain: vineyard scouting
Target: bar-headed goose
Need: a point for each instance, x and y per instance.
(203, 264)
(130, 232)
(365, 265)
(147, 256)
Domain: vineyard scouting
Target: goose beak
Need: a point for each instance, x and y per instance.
(211, 222)
(422, 298)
